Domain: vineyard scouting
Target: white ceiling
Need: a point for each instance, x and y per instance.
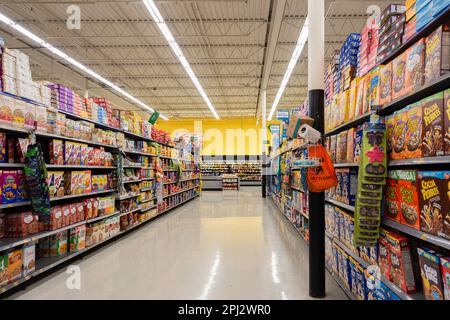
(224, 41)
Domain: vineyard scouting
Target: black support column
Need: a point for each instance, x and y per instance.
(316, 69)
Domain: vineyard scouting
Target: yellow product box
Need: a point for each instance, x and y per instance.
(343, 107)
(360, 97)
(18, 111)
(352, 99)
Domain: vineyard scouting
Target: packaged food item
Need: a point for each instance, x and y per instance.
(3, 269)
(69, 153)
(447, 121)
(29, 259)
(415, 63)
(437, 55)
(66, 214)
(80, 211)
(399, 136)
(58, 244)
(384, 255)
(94, 207)
(445, 270)
(408, 197)
(73, 213)
(430, 271)
(401, 270)
(3, 144)
(431, 201)
(56, 218)
(398, 76)
(385, 83)
(392, 205)
(22, 194)
(14, 265)
(8, 185)
(87, 206)
(56, 183)
(445, 194)
(433, 121)
(413, 131)
(56, 152)
(78, 238)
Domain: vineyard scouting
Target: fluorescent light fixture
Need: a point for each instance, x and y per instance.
(162, 25)
(75, 63)
(302, 39)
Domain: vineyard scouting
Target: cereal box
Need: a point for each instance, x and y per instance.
(77, 153)
(445, 192)
(29, 259)
(413, 131)
(90, 156)
(447, 121)
(56, 183)
(437, 55)
(392, 205)
(399, 135)
(389, 121)
(384, 257)
(6, 107)
(84, 155)
(341, 147)
(66, 214)
(430, 271)
(73, 213)
(431, 201)
(8, 185)
(398, 76)
(80, 211)
(445, 271)
(3, 155)
(56, 218)
(385, 83)
(56, 152)
(77, 238)
(18, 112)
(58, 244)
(87, 206)
(433, 121)
(86, 182)
(69, 155)
(401, 270)
(22, 194)
(415, 60)
(3, 269)
(14, 265)
(350, 145)
(408, 200)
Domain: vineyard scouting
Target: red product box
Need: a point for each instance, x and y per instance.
(56, 152)
(66, 215)
(73, 213)
(384, 255)
(401, 269)
(80, 211)
(56, 218)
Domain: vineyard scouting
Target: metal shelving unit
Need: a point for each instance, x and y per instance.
(83, 195)
(439, 241)
(340, 204)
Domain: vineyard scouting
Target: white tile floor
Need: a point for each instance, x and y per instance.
(225, 245)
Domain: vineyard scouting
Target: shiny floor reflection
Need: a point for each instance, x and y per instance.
(225, 245)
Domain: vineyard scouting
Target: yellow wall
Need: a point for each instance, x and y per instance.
(221, 137)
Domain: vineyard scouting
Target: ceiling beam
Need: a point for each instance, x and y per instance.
(271, 45)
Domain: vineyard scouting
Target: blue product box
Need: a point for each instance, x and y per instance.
(422, 3)
(440, 6)
(352, 279)
(361, 286)
(423, 17)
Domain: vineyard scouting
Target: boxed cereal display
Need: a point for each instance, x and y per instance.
(447, 122)
(56, 183)
(399, 76)
(29, 259)
(431, 201)
(446, 205)
(58, 244)
(384, 91)
(408, 198)
(392, 205)
(384, 261)
(8, 185)
(445, 271)
(56, 218)
(430, 271)
(414, 70)
(3, 269)
(66, 215)
(69, 153)
(437, 57)
(432, 128)
(77, 238)
(401, 270)
(399, 135)
(413, 131)
(14, 265)
(56, 152)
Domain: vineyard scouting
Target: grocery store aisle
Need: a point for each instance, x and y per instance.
(225, 245)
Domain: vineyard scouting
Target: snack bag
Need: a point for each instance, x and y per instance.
(323, 177)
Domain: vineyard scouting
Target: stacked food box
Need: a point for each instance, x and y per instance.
(392, 23)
